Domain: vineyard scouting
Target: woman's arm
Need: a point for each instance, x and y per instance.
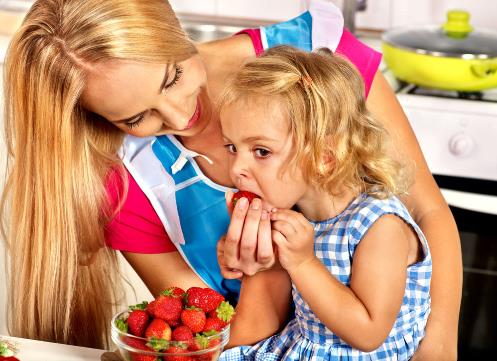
(432, 214)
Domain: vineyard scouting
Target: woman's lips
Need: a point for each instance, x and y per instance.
(195, 116)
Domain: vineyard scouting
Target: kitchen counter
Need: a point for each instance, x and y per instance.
(31, 350)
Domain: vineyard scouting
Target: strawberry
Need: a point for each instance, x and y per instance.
(140, 345)
(205, 341)
(182, 333)
(176, 351)
(168, 307)
(213, 324)
(193, 318)
(240, 194)
(158, 328)
(151, 308)
(8, 358)
(178, 292)
(205, 298)
(138, 319)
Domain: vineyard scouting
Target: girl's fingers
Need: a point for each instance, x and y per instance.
(287, 229)
(278, 238)
(233, 237)
(265, 253)
(248, 242)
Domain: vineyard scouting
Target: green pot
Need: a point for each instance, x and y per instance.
(450, 57)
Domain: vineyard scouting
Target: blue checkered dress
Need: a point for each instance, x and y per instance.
(336, 239)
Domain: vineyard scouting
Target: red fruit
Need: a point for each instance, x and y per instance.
(176, 352)
(213, 324)
(240, 194)
(158, 328)
(140, 345)
(176, 291)
(8, 358)
(182, 333)
(193, 318)
(151, 308)
(205, 298)
(202, 342)
(137, 322)
(168, 307)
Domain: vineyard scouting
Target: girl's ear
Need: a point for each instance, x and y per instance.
(327, 163)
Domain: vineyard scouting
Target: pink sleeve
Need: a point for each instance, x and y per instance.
(255, 36)
(366, 59)
(136, 227)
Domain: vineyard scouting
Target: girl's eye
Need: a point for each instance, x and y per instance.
(177, 75)
(262, 153)
(136, 122)
(230, 148)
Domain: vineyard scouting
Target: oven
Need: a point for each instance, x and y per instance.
(458, 135)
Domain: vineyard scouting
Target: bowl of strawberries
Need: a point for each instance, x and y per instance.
(175, 326)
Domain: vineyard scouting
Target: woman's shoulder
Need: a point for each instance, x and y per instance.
(135, 227)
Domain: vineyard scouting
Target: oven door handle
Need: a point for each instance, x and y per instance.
(482, 203)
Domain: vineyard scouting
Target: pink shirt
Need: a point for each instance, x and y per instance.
(137, 228)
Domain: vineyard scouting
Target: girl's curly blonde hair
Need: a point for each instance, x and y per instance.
(324, 97)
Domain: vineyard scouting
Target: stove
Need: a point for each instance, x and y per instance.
(458, 135)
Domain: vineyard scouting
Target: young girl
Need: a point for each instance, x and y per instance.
(360, 266)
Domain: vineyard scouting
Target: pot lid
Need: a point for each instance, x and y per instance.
(456, 38)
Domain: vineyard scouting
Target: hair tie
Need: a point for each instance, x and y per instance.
(306, 80)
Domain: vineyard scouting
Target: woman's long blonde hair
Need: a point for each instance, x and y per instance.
(324, 98)
(62, 279)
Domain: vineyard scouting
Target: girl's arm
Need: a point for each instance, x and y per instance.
(264, 299)
(429, 209)
(364, 313)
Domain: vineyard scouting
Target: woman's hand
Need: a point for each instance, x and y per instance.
(294, 236)
(247, 247)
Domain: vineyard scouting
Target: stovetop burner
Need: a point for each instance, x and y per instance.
(485, 96)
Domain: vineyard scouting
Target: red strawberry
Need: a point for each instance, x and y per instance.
(240, 194)
(178, 292)
(158, 328)
(176, 351)
(8, 358)
(168, 307)
(182, 333)
(213, 324)
(138, 319)
(140, 345)
(205, 341)
(151, 308)
(193, 318)
(205, 298)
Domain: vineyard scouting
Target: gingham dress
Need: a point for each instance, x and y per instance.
(336, 239)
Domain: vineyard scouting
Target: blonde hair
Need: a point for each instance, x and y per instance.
(55, 204)
(323, 95)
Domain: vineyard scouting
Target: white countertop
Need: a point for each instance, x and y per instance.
(31, 350)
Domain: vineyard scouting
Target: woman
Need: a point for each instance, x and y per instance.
(81, 75)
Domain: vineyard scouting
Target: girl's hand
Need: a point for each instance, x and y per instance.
(294, 236)
(247, 246)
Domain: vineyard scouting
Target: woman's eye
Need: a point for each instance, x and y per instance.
(135, 122)
(230, 148)
(262, 153)
(178, 70)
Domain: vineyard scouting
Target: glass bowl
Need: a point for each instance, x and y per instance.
(209, 350)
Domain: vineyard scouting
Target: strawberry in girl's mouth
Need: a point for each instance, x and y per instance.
(243, 194)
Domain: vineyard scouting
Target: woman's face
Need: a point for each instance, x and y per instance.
(144, 99)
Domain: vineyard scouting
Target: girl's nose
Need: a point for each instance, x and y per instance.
(239, 169)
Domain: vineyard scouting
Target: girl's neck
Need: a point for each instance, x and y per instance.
(319, 205)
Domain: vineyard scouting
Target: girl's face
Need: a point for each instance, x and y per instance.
(259, 144)
(150, 99)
